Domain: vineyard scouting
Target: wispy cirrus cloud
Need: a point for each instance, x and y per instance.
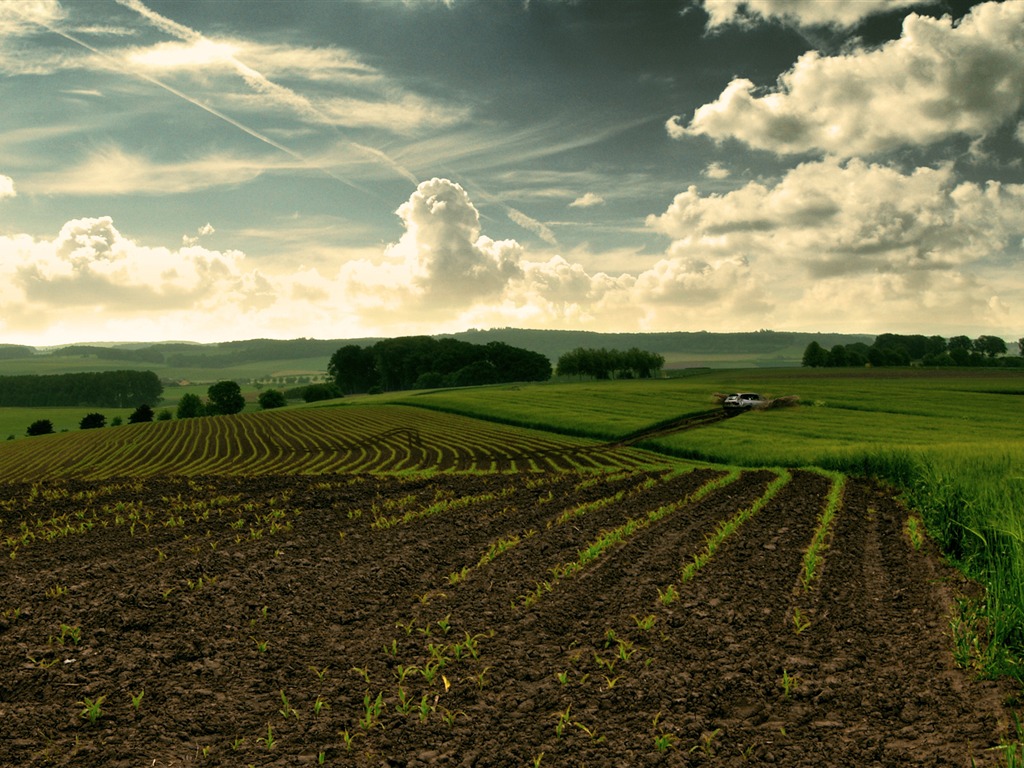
(800, 12)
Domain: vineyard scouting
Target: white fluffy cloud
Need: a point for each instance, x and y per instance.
(919, 249)
(6, 187)
(937, 80)
(802, 12)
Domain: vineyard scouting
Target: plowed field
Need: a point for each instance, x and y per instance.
(489, 619)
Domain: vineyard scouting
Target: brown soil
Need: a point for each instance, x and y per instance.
(234, 631)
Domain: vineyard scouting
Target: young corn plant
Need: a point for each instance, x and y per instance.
(372, 709)
(92, 709)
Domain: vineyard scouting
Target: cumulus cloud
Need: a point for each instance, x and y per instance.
(832, 218)
(919, 248)
(939, 79)
(587, 201)
(805, 13)
(6, 187)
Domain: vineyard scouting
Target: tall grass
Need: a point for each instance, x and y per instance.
(972, 502)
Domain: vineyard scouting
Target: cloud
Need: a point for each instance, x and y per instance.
(113, 171)
(923, 250)
(24, 17)
(938, 80)
(6, 187)
(587, 201)
(831, 218)
(805, 13)
(716, 171)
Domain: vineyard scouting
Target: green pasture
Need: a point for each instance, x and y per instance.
(14, 421)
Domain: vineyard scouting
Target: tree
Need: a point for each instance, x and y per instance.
(225, 398)
(190, 406)
(316, 392)
(93, 421)
(40, 427)
(815, 356)
(990, 346)
(353, 368)
(272, 398)
(141, 415)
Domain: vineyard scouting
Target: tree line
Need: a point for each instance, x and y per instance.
(423, 362)
(108, 389)
(892, 349)
(610, 363)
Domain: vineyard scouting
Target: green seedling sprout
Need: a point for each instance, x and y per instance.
(669, 595)
(444, 624)
(707, 743)
(402, 671)
(562, 677)
(424, 709)
(372, 709)
(788, 683)
(363, 672)
(664, 742)
(137, 699)
(319, 705)
(287, 710)
(92, 709)
(268, 741)
(320, 673)
(800, 622)
(564, 719)
(646, 623)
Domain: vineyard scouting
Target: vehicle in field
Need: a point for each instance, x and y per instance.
(743, 401)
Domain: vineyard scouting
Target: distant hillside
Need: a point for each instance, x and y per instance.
(241, 358)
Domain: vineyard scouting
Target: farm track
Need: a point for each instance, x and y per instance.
(230, 599)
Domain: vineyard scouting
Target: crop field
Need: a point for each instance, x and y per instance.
(368, 586)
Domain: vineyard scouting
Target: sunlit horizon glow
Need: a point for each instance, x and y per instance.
(189, 171)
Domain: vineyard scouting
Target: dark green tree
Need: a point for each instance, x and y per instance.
(353, 368)
(990, 346)
(189, 406)
(141, 415)
(93, 421)
(272, 398)
(815, 356)
(40, 427)
(225, 398)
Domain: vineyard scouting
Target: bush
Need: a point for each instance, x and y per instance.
(93, 421)
(272, 398)
(190, 406)
(40, 427)
(141, 415)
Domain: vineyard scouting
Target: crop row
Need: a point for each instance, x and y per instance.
(303, 441)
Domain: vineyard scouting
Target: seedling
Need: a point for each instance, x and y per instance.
(646, 623)
(562, 677)
(319, 705)
(372, 710)
(137, 699)
(537, 759)
(261, 645)
(391, 650)
(268, 741)
(424, 709)
(348, 738)
(448, 716)
(444, 624)
(788, 683)
(402, 671)
(320, 673)
(237, 743)
(363, 672)
(91, 709)
(664, 742)
(669, 595)
(564, 719)
(800, 622)
(287, 710)
(481, 677)
(707, 743)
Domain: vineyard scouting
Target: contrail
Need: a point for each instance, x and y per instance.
(206, 108)
(262, 84)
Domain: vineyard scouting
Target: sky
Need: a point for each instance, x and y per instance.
(209, 170)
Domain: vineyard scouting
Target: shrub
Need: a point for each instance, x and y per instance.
(40, 427)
